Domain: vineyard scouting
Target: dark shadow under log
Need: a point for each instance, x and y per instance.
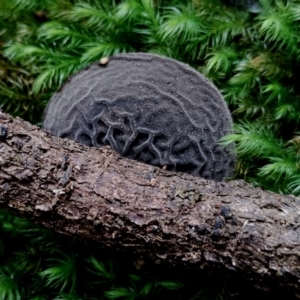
(94, 194)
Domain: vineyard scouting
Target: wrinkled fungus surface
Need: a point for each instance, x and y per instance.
(149, 108)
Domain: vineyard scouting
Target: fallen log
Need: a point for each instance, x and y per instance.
(94, 194)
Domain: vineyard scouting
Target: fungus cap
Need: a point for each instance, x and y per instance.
(149, 108)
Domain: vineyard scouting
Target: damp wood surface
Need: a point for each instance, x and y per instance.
(175, 218)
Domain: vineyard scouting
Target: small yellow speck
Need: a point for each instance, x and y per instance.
(104, 61)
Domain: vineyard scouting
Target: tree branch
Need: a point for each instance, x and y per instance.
(174, 217)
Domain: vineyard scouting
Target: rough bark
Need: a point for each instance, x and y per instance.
(173, 217)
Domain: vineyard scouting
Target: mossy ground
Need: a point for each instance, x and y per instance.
(252, 56)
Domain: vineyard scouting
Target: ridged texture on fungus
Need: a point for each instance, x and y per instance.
(148, 108)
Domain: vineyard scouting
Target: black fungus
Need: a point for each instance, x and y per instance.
(140, 102)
